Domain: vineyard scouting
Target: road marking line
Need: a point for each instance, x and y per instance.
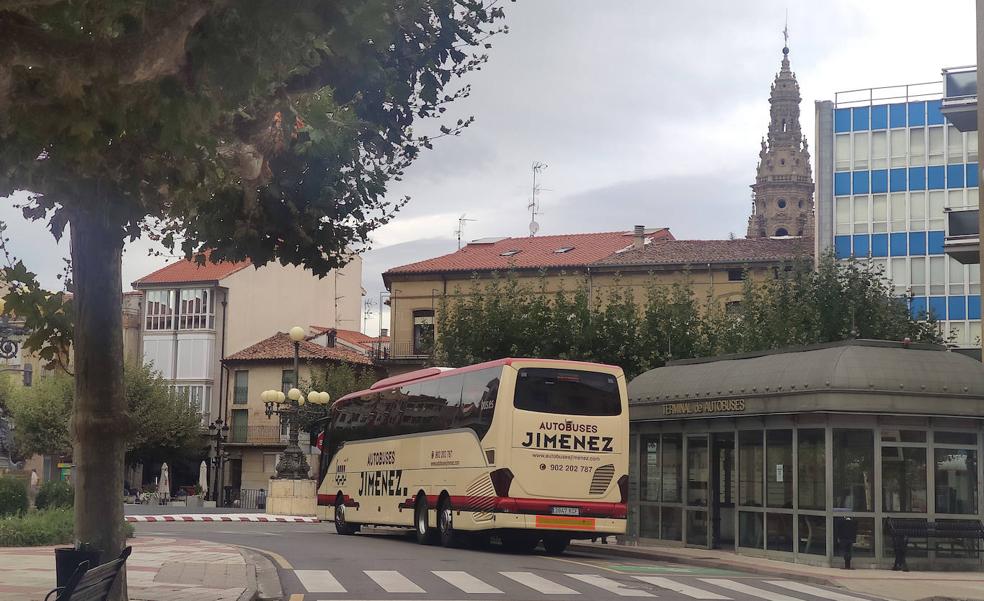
(466, 582)
(319, 581)
(683, 589)
(582, 563)
(392, 581)
(610, 585)
(539, 583)
(278, 558)
(815, 591)
(739, 587)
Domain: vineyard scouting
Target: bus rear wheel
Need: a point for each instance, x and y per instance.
(425, 535)
(556, 544)
(445, 523)
(341, 524)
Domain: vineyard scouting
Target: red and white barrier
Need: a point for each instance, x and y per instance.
(224, 517)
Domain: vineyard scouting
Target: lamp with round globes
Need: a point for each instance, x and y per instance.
(297, 333)
(294, 394)
(281, 397)
(314, 397)
(324, 397)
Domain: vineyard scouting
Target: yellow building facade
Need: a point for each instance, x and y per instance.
(714, 268)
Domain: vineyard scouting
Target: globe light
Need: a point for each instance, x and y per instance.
(294, 394)
(281, 397)
(265, 396)
(300, 400)
(314, 397)
(297, 333)
(324, 397)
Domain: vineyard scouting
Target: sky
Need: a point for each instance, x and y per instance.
(645, 112)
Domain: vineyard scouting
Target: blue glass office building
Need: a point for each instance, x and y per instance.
(888, 167)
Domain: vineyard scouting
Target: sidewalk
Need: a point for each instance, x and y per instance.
(160, 569)
(902, 586)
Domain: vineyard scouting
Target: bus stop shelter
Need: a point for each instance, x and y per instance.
(766, 454)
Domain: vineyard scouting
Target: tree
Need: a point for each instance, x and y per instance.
(165, 426)
(40, 415)
(505, 315)
(262, 130)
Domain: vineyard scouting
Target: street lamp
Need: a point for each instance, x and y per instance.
(218, 433)
(289, 407)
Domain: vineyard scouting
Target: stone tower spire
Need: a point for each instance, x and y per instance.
(783, 188)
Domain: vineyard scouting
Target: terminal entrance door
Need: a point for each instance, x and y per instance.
(724, 488)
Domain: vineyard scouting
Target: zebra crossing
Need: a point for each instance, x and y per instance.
(508, 584)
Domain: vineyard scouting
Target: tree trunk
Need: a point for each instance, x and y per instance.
(99, 418)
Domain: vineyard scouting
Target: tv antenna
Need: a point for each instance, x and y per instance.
(461, 227)
(534, 206)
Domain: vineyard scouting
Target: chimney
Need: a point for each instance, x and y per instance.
(639, 236)
(383, 332)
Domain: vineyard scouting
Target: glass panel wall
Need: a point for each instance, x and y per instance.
(877, 470)
(811, 465)
(854, 466)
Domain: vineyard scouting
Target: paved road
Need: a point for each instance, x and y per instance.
(318, 565)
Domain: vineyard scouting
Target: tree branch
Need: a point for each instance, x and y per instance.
(139, 57)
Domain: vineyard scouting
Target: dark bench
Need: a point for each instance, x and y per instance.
(903, 529)
(91, 585)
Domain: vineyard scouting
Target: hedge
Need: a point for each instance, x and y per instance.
(13, 496)
(55, 493)
(41, 528)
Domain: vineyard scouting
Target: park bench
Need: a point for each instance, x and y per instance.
(91, 585)
(903, 529)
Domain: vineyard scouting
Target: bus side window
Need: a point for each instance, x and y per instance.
(449, 393)
(409, 408)
(478, 398)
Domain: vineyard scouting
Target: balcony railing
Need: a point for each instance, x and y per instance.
(960, 97)
(403, 350)
(963, 236)
(246, 434)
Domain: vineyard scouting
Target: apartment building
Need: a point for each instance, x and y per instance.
(194, 315)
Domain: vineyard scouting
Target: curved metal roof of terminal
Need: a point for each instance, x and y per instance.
(852, 365)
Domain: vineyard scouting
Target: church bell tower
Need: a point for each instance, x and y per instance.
(783, 188)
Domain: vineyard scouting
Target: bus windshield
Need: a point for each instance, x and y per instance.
(564, 391)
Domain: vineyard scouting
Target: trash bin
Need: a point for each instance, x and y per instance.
(67, 559)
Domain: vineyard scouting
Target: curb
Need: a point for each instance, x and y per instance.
(667, 555)
(266, 580)
(233, 517)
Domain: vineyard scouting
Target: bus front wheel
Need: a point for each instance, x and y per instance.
(341, 524)
(425, 535)
(556, 544)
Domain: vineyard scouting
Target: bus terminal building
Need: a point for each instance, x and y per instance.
(763, 454)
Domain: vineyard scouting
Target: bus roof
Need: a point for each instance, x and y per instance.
(430, 373)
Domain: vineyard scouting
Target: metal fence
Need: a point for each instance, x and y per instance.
(401, 350)
(244, 498)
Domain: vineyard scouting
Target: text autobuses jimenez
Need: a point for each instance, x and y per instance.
(529, 449)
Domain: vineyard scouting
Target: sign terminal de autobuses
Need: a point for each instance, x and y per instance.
(528, 449)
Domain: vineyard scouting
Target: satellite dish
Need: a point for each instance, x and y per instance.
(534, 228)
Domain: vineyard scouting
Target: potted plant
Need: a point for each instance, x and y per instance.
(195, 499)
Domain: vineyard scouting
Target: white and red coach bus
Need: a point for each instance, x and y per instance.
(528, 449)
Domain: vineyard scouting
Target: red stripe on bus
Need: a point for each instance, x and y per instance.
(592, 509)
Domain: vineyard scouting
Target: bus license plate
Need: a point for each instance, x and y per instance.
(565, 510)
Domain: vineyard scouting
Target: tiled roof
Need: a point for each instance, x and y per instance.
(697, 252)
(280, 347)
(529, 253)
(186, 271)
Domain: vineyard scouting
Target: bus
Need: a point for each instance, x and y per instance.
(528, 450)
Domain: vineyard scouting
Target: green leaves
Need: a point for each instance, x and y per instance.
(641, 326)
